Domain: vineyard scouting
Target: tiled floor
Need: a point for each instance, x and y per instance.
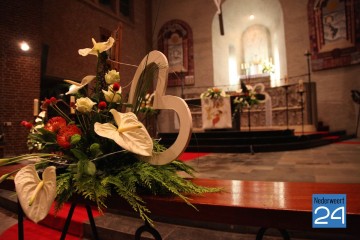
(338, 163)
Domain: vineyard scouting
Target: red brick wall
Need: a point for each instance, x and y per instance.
(20, 71)
(69, 25)
(64, 26)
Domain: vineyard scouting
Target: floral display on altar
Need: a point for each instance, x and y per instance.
(96, 146)
(216, 109)
(249, 96)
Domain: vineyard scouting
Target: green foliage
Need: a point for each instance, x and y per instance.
(129, 180)
(64, 189)
(145, 82)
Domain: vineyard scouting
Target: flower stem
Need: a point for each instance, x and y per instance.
(58, 110)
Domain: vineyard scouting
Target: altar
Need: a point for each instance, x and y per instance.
(288, 108)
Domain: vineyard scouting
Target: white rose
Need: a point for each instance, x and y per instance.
(112, 77)
(84, 105)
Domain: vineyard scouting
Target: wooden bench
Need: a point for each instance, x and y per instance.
(279, 205)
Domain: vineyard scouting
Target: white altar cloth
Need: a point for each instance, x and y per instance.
(216, 113)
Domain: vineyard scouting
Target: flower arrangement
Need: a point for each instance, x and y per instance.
(94, 148)
(249, 96)
(213, 93)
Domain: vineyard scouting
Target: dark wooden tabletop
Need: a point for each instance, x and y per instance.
(284, 205)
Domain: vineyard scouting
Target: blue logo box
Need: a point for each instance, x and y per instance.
(329, 210)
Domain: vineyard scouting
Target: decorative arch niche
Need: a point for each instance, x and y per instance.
(250, 47)
(175, 40)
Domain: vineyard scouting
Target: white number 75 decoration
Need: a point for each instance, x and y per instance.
(162, 101)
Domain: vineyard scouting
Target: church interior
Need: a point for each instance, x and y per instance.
(272, 96)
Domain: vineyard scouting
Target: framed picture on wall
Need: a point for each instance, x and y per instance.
(333, 27)
(175, 41)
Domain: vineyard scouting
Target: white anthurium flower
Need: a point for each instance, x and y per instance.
(35, 195)
(75, 86)
(129, 134)
(111, 96)
(84, 105)
(112, 76)
(98, 47)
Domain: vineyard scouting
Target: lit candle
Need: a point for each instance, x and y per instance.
(36, 107)
(301, 85)
(72, 103)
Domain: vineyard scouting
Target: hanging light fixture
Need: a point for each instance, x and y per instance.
(24, 46)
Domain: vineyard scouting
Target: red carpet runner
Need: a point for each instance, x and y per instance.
(51, 226)
(188, 156)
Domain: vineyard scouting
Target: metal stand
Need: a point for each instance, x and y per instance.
(357, 124)
(249, 122)
(286, 87)
(20, 221)
(182, 84)
(301, 93)
(68, 221)
(147, 228)
(308, 54)
(262, 231)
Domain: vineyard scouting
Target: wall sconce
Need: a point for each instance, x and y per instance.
(24, 46)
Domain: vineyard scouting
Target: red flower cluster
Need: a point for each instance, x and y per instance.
(48, 102)
(216, 90)
(64, 132)
(55, 123)
(26, 124)
(64, 135)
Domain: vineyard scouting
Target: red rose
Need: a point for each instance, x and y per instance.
(55, 123)
(64, 135)
(102, 105)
